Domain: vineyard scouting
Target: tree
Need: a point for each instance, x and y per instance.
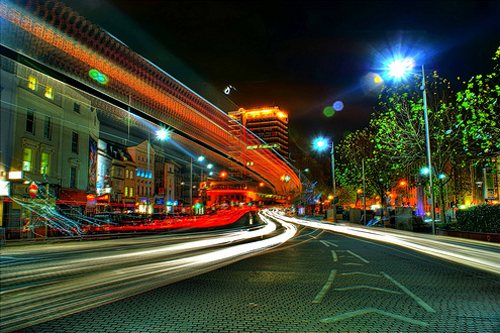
(400, 125)
(379, 174)
(480, 115)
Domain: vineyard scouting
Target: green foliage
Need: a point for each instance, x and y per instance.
(484, 218)
(448, 225)
(480, 114)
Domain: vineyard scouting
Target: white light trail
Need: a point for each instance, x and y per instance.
(479, 255)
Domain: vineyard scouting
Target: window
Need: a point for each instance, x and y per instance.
(32, 83)
(45, 165)
(74, 143)
(126, 173)
(126, 191)
(131, 192)
(49, 92)
(72, 177)
(27, 159)
(47, 129)
(30, 122)
(76, 107)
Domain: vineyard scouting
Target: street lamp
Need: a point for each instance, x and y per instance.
(398, 69)
(301, 198)
(320, 144)
(161, 134)
(200, 159)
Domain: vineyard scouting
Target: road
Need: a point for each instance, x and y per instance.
(319, 281)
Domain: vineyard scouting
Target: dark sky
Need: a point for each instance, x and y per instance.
(301, 55)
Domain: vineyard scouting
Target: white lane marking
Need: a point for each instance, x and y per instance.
(420, 302)
(370, 310)
(361, 273)
(328, 243)
(367, 287)
(325, 288)
(334, 255)
(332, 243)
(359, 257)
(352, 264)
(325, 243)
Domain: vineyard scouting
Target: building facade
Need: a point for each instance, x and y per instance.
(49, 137)
(269, 124)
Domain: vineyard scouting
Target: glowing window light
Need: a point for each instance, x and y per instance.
(49, 92)
(32, 83)
(98, 76)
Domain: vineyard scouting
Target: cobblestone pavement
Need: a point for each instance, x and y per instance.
(317, 283)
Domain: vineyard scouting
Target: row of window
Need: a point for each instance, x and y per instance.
(129, 192)
(49, 91)
(33, 85)
(28, 165)
(29, 161)
(144, 173)
(47, 130)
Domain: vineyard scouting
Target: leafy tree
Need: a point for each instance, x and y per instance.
(400, 122)
(479, 120)
(379, 174)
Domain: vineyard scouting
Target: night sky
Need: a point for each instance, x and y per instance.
(301, 56)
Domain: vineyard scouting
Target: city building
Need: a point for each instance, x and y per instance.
(269, 124)
(49, 137)
(144, 157)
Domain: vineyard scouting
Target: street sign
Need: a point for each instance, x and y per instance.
(33, 189)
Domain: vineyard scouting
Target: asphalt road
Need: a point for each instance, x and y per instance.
(319, 281)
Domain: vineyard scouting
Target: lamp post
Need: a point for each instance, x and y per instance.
(429, 162)
(334, 189)
(398, 69)
(161, 135)
(301, 197)
(200, 159)
(320, 144)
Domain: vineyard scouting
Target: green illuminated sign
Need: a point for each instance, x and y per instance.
(98, 76)
(274, 145)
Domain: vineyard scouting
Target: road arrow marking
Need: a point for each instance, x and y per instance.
(367, 287)
(371, 310)
(420, 302)
(325, 288)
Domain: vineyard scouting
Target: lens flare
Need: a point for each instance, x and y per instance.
(338, 106)
(328, 111)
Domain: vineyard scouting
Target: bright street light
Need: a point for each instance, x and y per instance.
(320, 143)
(400, 67)
(163, 134)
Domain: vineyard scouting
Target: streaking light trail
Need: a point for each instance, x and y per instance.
(479, 255)
(80, 276)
